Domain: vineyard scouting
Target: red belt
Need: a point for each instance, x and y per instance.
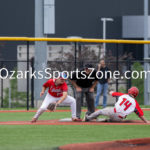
(119, 115)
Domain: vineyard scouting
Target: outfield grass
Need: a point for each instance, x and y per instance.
(46, 137)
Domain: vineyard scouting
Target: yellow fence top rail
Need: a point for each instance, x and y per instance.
(83, 40)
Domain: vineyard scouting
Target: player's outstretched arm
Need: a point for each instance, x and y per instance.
(144, 119)
(115, 94)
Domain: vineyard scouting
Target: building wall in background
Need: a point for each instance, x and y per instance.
(73, 18)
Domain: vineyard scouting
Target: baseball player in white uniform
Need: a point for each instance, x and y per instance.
(125, 105)
(57, 94)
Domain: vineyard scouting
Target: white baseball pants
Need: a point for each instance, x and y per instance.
(108, 111)
(49, 99)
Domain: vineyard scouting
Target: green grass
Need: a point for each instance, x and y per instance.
(46, 137)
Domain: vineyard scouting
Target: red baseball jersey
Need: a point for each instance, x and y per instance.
(126, 105)
(56, 91)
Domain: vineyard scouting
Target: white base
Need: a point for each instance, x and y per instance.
(65, 120)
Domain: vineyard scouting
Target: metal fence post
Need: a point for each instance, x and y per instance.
(2, 99)
(129, 68)
(117, 63)
(32, 84)
(128, 74)
(9, 95)
(27, 75)
(75, 55)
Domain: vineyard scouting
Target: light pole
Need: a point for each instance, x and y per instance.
(146, 55)
(104, 20)
(40, 47)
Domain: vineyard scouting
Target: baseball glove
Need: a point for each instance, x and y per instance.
(52, 106)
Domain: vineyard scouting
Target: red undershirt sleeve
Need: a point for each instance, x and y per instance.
(138, 110)
(115, 94)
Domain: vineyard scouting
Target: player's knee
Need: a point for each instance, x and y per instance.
(73, 101)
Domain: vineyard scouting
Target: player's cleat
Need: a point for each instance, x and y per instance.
(76, 119)
(33, 120)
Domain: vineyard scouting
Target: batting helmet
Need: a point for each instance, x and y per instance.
(133, 91)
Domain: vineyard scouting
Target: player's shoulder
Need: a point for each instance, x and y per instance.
(64, 85)
(131, 99)
(123, 95)
(51, 80)
(127, 96)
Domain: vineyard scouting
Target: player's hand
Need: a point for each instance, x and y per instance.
(58, 102)
(41, 94)
(111, 92)
(91, 90)
(78, 89)
(52, 106)
(146, 121)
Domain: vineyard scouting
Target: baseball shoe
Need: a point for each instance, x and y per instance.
(33, 120)
(76, 119)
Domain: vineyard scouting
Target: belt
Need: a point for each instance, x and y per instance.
(119, 115)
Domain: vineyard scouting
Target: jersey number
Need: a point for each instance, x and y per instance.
(126, 103)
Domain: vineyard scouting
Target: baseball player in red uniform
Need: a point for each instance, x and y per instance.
(125, 105)
(57, 92)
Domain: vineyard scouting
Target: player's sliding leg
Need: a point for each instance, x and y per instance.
(105, 112)
(113, 116)
(48, 99)
(72, 102)
(92, 116)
